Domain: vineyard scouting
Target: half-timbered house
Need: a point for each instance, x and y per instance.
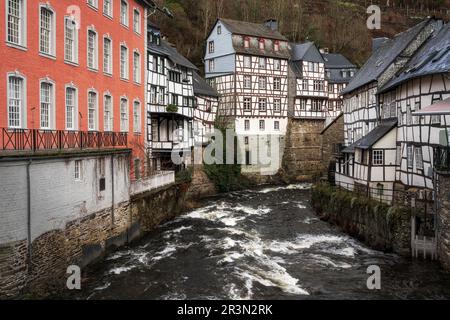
(311, 87)
(171, 101)
(362, 110)
(248, 65)
(338, 73)
(424, 81)
(207, 103)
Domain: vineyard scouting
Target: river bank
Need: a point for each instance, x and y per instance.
(264, 243)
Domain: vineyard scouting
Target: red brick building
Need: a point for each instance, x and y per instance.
(74, 66)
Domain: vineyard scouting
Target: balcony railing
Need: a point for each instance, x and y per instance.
(41, 140)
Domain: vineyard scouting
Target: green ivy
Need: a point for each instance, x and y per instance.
(172, 108)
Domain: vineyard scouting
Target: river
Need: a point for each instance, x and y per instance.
(257, 244)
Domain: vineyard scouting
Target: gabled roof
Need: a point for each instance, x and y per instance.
(432, 58)
(251, 29)
(203, 88)
(375, 135)
(171, 53)
(384, 56)
(306, 52)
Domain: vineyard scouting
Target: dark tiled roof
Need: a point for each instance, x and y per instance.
(297, 67)
(432, 58)
(306, 52)
(384, 56)
(336, 61)
(251, 29)
(375, 135)
(203, 88)
(167, 50)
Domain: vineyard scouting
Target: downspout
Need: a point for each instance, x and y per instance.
(112, 191)
(29, 214)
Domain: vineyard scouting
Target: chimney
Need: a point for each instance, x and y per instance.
(324, 50)
(272, 24)
(378, 42)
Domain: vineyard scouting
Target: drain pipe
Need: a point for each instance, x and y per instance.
(112, 191)
(29, 214)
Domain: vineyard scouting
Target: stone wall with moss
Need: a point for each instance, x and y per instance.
(382, 227)
(41, 271)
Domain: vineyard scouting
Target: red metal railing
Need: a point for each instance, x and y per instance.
(36, 140)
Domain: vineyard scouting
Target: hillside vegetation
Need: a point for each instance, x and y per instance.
(339, 25)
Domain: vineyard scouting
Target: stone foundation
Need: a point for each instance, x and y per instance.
(443, 220)
(82, 242)
(302, 160)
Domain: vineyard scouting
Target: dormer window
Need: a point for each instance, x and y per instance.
(276, 46)
(261, 44)
(246, 42)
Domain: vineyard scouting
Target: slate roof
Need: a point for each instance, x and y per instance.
(375, 135)
(251, 29)
(202, 87)
(384, 56)
(432, 58)
(334, 64)
(303, 52)
(170, 52)
(336, 61)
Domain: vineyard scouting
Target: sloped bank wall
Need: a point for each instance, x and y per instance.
(382, 227)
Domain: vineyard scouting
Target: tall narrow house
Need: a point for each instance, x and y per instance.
(248, 65)
(170, 109)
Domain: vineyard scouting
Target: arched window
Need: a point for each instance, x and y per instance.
(71, 107)
(47, 32)
(108, 112)
(124, 114)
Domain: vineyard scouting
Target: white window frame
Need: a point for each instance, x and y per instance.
(125, 75)
(276, 125)
(247, 62)
(262, 104)
(108, 122)
(247, 125)
(95, 120)
(247, 100)
(277, 105)
(75, 107)
(124, 126)
(262, 87)
(95, 53)
(262, 125)
(211, 47)
(410, 157)
(137, 116)
(22, 32)
(377, 157)
(52, 35)
(212, 65)
(23, 100)
(138, 29)
(111, 58)
(418, 158)
(78, 170)
(75, 41)
(277, 81)
(52, 104)
(127, 18)
(108, 14)
(262, 63)
(92, 3)
(247, 82)
(137, 71)
(277, 64)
